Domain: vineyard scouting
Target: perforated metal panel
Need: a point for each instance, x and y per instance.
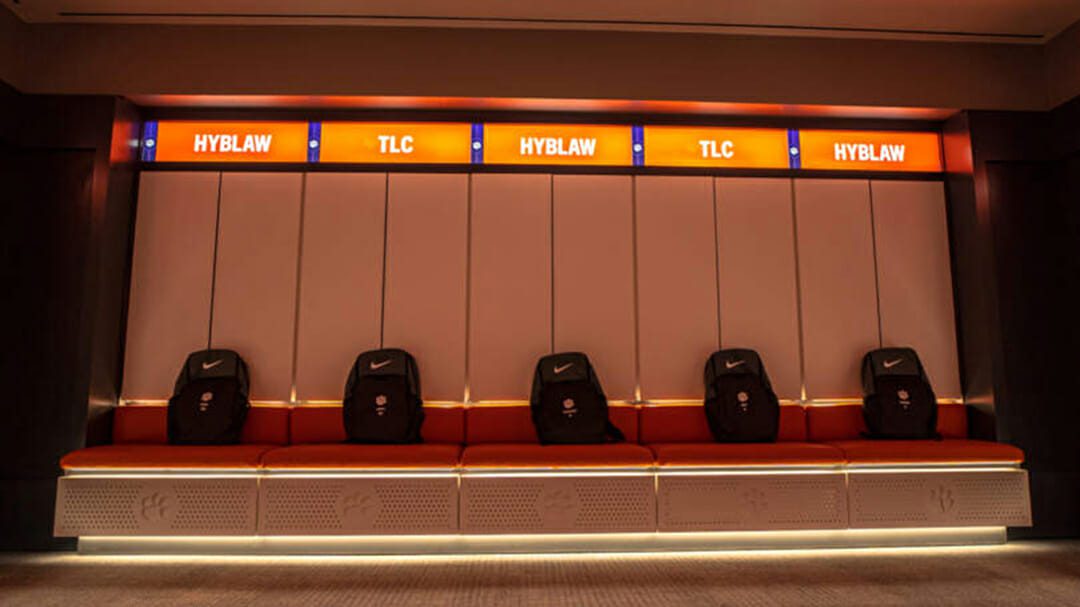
(551, 504)
(746, 502)
(939, 499)
(155, 506)
(357, 506)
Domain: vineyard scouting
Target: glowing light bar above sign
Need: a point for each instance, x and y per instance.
(870, 151)
(678, 146)
(396, 142)
(558, 144)
(168, 141)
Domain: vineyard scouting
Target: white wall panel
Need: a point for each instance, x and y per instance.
(341, 271)
(914, 276)
(510, 282)
(759, 306)
(171, 279)
(427, 234)
(594, 275)
(676, 257)
(837, 284)
(255, 282)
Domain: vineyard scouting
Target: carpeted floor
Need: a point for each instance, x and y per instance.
(1031, 573)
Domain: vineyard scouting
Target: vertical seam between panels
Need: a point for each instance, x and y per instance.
(637, 305)
(716, 262)
(877, 282)
(551, 241)
(213, 266)
(798, 294)
(297, 292)
(468, 281)
(385, 246)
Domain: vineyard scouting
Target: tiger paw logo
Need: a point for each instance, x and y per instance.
(569, 408)
(359, 505)
(559, 506)
(943, 499)
(904, 398)
(380, 404)
(755, 500)
(154, 507)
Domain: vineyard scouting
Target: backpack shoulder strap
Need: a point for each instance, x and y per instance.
(614, 434)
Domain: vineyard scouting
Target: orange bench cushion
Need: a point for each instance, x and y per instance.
(148, 425)
(927, 451)
(166, 457)
(513, 423)
(339, 456)
(746, 454)
(686, 423)
(519, 455)
(845, 422)
(319, 424)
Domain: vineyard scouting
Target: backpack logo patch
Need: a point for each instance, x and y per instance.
(380, 404)
(211, 365)
(728, 364)
(904, 398)
(889, 364)
(569, 408)
(375, 366)
(204, 401)
(744, 401)
(560, 368)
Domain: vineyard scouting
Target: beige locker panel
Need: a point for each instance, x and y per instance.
(255, 283)
(171, 279)
(341, 270)
(510, 283)
(914, 276)
(759, 305)
(837, 284)
(427, 234)
(594, 275)
(677, 308)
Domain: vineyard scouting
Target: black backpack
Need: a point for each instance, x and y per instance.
(210, 401)
(898, 401)
(568, 405)
(740, 404)
(382, 401)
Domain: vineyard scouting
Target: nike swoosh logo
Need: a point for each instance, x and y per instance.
(208, 366)
(375, 365)
(559, 370)
(889, 364)
(731, 365)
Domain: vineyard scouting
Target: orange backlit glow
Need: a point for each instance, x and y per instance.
(677, 146)
(396, 142)
(870, 150)
(558, 144)
(232, 141)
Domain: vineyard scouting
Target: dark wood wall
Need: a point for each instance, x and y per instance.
(66, 221)
(1015, 227)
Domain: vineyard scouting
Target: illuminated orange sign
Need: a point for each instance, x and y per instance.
(230, 142)
(396, 142)
(564, 144)
(870, 150)
(677, 146)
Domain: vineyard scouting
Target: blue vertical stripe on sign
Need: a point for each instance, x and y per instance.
(637, 138)
(477, 143)
(149, 141)
(314, 143)
(793, 149)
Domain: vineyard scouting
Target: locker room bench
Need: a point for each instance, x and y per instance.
(481, 471)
